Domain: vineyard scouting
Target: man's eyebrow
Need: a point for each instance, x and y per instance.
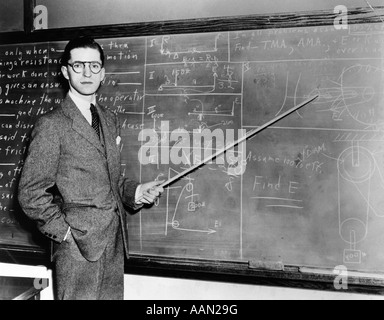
(87, 61)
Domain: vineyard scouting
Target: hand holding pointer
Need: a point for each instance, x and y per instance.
(149, 192)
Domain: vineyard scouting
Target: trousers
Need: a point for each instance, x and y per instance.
(76, 278)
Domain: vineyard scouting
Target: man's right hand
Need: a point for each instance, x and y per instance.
(149, 192)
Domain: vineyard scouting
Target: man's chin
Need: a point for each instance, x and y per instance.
(86, 91)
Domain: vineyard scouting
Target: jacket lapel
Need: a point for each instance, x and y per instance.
(80, 124)
(109, 133)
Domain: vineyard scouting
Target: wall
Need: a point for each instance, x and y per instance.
(72, 13)
(149, 288)
(11, 15)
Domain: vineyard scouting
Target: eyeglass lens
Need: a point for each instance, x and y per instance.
(79, 66)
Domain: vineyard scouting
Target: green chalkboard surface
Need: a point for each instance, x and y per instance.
(306, 192)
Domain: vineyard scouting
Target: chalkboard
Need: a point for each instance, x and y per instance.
(28, 78)
(307, 192)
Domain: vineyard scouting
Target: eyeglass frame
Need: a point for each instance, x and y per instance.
(83, 63)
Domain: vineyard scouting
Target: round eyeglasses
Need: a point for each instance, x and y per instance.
(79, 66)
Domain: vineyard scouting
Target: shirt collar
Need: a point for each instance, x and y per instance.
(82, 104)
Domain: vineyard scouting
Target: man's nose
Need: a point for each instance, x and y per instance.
(87, 70)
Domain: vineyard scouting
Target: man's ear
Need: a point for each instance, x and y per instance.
(64, 71)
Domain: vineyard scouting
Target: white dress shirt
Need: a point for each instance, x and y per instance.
(84, 106)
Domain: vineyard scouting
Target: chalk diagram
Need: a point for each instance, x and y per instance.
(343, 96)
(188, 214)
(186, 79)
(348, 100)
(360, 179)
(201, 111)
(187, 209)
(359, 175)
(167, 48)
(210, 89)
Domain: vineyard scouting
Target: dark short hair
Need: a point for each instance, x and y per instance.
(81, 42)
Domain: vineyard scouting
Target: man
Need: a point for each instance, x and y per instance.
(74, 157)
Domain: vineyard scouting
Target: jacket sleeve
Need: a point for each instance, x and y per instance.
(38, 179)
(128, 192)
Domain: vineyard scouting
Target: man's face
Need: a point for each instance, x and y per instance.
(85, 83)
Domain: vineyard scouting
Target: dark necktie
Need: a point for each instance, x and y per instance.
(95, 120)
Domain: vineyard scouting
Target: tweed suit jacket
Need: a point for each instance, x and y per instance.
(66, 154)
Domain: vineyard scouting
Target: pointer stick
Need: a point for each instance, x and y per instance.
(226, 148)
